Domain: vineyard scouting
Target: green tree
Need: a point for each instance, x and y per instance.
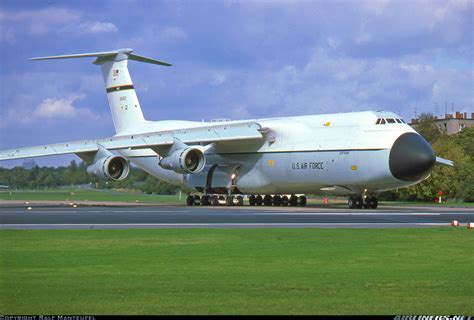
(450, 180)
(427, 127)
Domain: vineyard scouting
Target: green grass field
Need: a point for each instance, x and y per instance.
(237, 271)
(89, 195)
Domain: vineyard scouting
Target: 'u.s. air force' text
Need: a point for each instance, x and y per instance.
(307, 166)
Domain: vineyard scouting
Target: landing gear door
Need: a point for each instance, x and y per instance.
(223, 179)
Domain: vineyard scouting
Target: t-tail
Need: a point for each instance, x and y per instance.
(126, 111)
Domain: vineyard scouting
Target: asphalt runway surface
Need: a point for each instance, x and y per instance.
(121, 217)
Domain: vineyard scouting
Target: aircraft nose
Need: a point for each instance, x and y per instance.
(411, 157)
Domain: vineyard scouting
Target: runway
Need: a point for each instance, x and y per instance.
(103, 217)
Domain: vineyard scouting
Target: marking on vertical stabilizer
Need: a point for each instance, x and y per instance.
(119, 88)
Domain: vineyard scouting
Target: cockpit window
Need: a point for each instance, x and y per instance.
(389, 120)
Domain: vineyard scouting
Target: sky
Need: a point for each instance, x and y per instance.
(231, 59)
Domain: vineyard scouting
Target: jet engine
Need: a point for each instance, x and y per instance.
(188, 160)
(110, 168)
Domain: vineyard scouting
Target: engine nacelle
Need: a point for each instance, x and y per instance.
(188, 160)
(111, 168)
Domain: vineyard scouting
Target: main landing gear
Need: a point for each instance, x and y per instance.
(254, 200)
(214, 200)
(277, 200)
(359, 202)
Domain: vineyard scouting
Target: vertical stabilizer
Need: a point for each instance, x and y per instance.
(123, 101)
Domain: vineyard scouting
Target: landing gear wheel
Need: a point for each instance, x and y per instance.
(351, 203)
(366, 202)
(267, 200)
(229, 201)
(252, 200)
(373, 203)
(215, 200)
(259, 200)
(359, 202)
(240, 201)
(205, 200)
(293, 201)
(190, 200)
(302, 201)
(277, 201)
(284, 201)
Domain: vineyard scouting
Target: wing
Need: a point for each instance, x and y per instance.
(154, 140)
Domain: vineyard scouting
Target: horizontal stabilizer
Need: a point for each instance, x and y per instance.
(80, 55)
(136, 57)
(444, 162)
(120, 54)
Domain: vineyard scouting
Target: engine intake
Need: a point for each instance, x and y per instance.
(188, 160)
(111, 168)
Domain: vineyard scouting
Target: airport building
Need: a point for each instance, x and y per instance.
(451, 124)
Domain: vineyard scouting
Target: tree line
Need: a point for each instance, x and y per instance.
(455, 182)
(76, 174)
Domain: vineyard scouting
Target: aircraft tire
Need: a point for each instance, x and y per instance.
(190, 200)
(259, 200)
(374, 203)
(351, 203)
(229, 201)
(359, 202)
(267, 200)
(252, 201)
(302, 201)
(205, 200)
(277, 201)
(366, 203)
(240, 201)
(215, 200)
(293, 200)
(284, 201)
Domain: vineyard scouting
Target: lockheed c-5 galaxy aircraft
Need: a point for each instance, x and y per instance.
(273, 161)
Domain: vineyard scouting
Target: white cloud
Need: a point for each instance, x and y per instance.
(93, 27)
(56, 108)
(329, 83)
(46, 21)
(217, 79)
(49, 15)
(61, 108)
(172, 34)
(39, 21)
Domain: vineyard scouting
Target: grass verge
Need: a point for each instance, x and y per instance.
(237, 271)
(89, 195)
